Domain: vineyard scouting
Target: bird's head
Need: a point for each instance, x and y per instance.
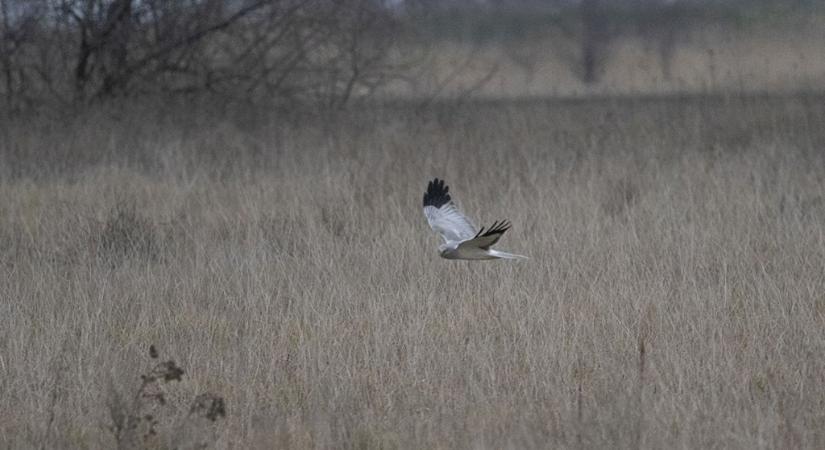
(447, 248)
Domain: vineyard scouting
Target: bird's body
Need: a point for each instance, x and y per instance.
(461, 240)
(453, 251)
(474, 253)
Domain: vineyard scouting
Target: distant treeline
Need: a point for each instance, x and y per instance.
(582, 31)
(291, 52)
(497, 20)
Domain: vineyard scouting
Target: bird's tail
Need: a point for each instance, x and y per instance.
(506, 255)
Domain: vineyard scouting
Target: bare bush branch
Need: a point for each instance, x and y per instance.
(274, 50)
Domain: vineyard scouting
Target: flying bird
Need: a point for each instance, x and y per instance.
(461, 238)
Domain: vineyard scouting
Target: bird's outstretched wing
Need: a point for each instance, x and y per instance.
(485, 239)
(442, 214)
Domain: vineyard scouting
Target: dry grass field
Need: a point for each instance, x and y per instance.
(675, 295)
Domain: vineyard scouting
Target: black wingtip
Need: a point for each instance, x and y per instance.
(496, 228)
(437, 194)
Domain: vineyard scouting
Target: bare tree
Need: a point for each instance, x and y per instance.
(279, 50)
(17, 28)
(664, 24)
(594, 39)
(587, 31)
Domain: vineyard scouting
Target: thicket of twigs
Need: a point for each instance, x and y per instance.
(72, 52)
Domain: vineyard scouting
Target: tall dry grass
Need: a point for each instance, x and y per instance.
(674, 296)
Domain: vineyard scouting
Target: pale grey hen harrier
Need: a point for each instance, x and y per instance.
(461, 240)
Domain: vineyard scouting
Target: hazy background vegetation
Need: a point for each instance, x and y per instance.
(237, 184)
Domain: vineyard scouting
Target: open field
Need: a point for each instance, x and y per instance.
(675, 295)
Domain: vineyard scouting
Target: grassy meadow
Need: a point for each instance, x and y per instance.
(675, 295)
